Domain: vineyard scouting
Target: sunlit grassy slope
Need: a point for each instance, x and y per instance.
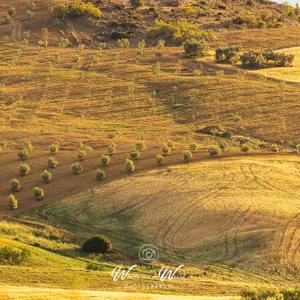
(236, 213)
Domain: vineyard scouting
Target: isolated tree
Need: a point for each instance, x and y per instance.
(187, 156)
(12, 202)
(214, 151)
(76, 168)
(53, 149)
(23, 154)
(38, 193)
(52, 163)
(129, 166)
(112, 148)
(105, 160)
(15, 185)
(194, 147)
(135, 154)
(97, 244)
(141, 146)
(159, 159)
(100, 174)
(24, 169)
(195, 48)
(165, 150)
(46, 176)
(246, 148)
(81, 155)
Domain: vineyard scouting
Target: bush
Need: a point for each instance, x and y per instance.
(23, 154)
(194, 147)
(262, 294)
(141, 146)
(28, 146)
(12, 202)
(187, 156)
(166, 150)
(11, 11)
(195, 48)
(97, 244)
(129, 166)
(123, 43)
(252, 59)
(159, 159)
(9, 256)
(46, 176)
(100, 174)
(3, 145)
(53, 149)
(246, 148)
(228, 55)
(274, 148)
(76, 168)
(112, 148)
(38, 193)
(214, 151)
(135, 154)
(105, 160)
(81, 155)
(137, 3)
(24, 169)
(52, 163)
(15, 185)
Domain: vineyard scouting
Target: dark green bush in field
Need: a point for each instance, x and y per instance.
(112, 148)
(214, 151)
(23, 154)
(135, 154)
(141, 146)
(53, 149)
(94, 267)
(28, 146)
(52, 163)
(76, 168)
(46, 176)
(81, 155)
(194, 147)
(100, 175)
(228, 55)
(11, 11)
(24, 169)
(105, 160)
(129, 166)
(252, 59)
(187, 156)
(38, 193)
(3, 145)
(195, 48)
(170, 144)
(97, 244)
(15, 185)
(12, 202)
(246, 148)
(137, 3)
(274, 148)
(166, 150)
(159, 159)
(9, 256)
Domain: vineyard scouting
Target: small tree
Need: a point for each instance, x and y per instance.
(76, 168)
(129, 166)
(53, 149)
(187, 156)
(100, 174)
(112, 148)
(38, 193)
(137, 3)
(195, 48)
(141, 146)
(159, 159)
(46, 176)
(135, 154)
(23, 154)
(15, 185)
(52, 163)
(81, 155)
(97, 244)
(194, 147)
(12, 202)
(24, 169)
(105, 160)
(214, 151)
(165, 150)
(246, 148)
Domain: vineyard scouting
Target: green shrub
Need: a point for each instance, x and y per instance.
(228, 55)
(137, 3)
(187, 156)
(135, 154)
(9, 256)
(112, 148)
(100, 174)
(52, 163)
(105, 160)
(97, 244)
(81, 155)
(170, 144)
(214, 151)
(24, 169)
(15, 185)
(166, 150)
(194, 147)
(195, 48)
(11, 11)
(265, 293)
(38, 193)
(123, 43)
(246, 148)
(53, 149)
(129, 166)
(46, 176)
(23, 154)
(76, 168)
(94, 267)
(252, 59)
(12, 202)
(274, 148)
(224, 146)
(159, 159)
(141, 146)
